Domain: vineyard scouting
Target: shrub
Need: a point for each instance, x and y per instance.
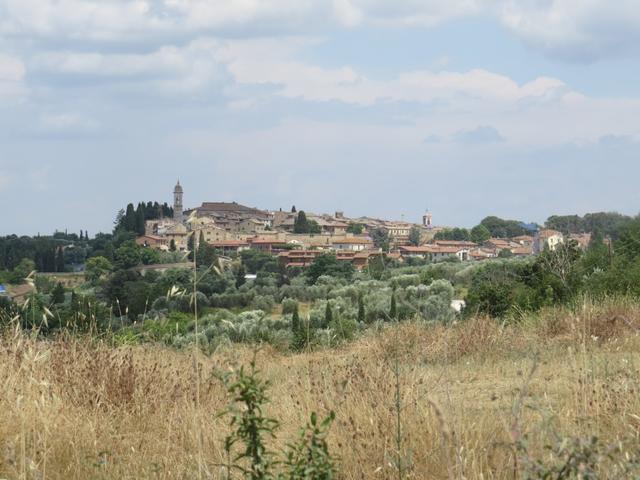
(289, 306)
(264, 303)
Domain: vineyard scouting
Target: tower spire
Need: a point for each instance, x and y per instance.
(178, 210)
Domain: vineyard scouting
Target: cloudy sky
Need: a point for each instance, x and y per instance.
(519, 108)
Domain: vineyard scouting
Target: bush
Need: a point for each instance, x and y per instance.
(264, 303)
(289, 305)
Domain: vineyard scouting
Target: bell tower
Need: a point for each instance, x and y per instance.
(427, 220)
(177, 203)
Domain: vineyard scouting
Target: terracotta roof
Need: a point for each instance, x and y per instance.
(266, 241)
(229, 243)
(152, 237)
(229, 207)
(431, 249)
(353, 241)
(548, 233)
(456, 243)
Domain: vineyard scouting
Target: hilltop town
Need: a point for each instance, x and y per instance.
(298, 237)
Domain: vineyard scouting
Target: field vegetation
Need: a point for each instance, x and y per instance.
(325, 372)
(552, 396)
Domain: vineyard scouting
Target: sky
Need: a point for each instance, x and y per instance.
(385, 108)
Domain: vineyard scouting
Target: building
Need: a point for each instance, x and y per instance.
(153, 241)
(178, 209)
(463, 244)
(355, 244)
(435, 252)
(547, 239)
(499, 244)
(249, 226)
(230, 246)
(427, 220)
(582, 239)
(227, 215)
(482, 254)
(524, 240)
(523, 251)
(179, 234)
(304, 258)
(271, 245)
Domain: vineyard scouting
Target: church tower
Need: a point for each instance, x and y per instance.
(177, 203)
(427, 220)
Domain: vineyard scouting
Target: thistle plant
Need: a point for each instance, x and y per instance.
(251, 427)
(309, 457)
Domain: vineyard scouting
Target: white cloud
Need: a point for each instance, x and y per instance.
(480, 134)
(12, 72)
(170, 69)
(573, 29)
(105, 20)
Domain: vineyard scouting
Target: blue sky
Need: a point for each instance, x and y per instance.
(521, 109)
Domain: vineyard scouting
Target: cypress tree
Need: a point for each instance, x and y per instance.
(361, 312)
(60, 260)
(328, 314)
(130, 219)
(295, 321)
(301, 224)
(240, 276)
(191, 245)
(140, 219)
(393, 312)
(57, 295)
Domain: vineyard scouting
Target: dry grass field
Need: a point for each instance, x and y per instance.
(477, 400)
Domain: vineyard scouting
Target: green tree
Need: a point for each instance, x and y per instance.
(191, 243)
(295, 320)
(480, 234)
(301, 224)
(380, 237)
(57, 295)
(130, 218)
(96, 267)
(172, 245)
(140, 219)
(355, 228)
(328, 264)
(150, 256)
(361, 310)
(393, 311)
(414, 236)
(241, 276)
(504, 228)
(60, 260)
(328, 314)
(127, 255)
(458, 234)
(22, 270)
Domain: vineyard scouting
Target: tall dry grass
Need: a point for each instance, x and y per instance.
(75, 408)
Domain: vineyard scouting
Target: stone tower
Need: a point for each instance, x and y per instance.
(427, 220)
(177, 203)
